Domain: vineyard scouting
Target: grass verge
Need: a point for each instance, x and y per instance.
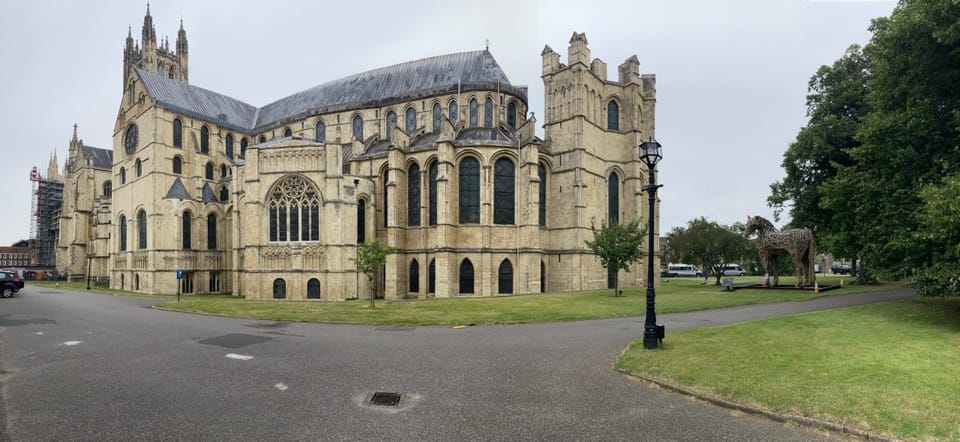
(678, 295)
(889, 368)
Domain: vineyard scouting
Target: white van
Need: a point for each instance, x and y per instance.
(682, 270)
(733, 270)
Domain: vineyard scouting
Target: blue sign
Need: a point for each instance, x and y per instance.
(179, 274)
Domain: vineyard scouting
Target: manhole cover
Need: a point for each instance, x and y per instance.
(385, 399)
(235, 340)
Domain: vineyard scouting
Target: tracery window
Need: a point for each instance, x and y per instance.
(466, 276)
(122, 223)
(473, 112)
(503, 191)
(186, 228)
(358, 127)
(243, 147)
(434, 169)
(512, 114)
(414, 276)
(321, 132)
(410, 121)
(469, 191)
(613, 198)
(542, 174)
(413, 196)
(211, 232)
(177, 133)
(488, 113)
(294, 210)
(142, 230)
(204, 140)
(613, 116)
(229, 146)
(452, 112)
(437, 111)
(505, 278)
(391, 123)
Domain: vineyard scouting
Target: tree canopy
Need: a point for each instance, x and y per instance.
(371, 255)
(617, 245)
(710, 244)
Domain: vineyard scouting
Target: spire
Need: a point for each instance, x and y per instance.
(148, 33)
(181, 39)
(74, 132)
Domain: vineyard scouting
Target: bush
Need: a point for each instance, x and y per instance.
(938, 280)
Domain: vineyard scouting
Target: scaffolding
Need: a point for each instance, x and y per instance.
(34, 213)
(44, 218)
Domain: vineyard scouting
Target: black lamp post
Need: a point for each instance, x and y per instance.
(653, 334)
(89, 261)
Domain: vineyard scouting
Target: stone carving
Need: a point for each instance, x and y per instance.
(799, 243)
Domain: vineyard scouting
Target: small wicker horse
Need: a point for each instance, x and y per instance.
(799, 243)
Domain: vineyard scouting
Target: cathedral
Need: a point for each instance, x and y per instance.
(438, 157)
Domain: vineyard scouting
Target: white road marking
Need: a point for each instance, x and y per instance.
(240, 357)
(280, 386)
(69, 343)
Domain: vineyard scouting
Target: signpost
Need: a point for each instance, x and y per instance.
(179, 277)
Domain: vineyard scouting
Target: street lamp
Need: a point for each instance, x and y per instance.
(653, 334)
(89, 261)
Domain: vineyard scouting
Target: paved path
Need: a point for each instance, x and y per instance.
(95, 367)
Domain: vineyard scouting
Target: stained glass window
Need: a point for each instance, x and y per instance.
(229, 146)
(452, 112)
(123, 233)
(294, 207)
(224, 195)
(186, 226)
(208, 172)
(142, 230)
(473, 112)
(204, 140)
(613, 116)
(437, 111)
(358, 127)
(433, 193)
(177, 133)
(505, 278)
(503, 191)
(542, 174)
(410, 121)
(414, 277)
(243, 147)
(211, 232)
(466, 276)
(613, 198)
(488, 113)
(469, 191)
(321, 132)
(512, 114)
(413, 196)
(287, 132)
(391, 123)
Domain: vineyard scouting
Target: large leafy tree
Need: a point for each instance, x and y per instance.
(617, 245)
(711, 244)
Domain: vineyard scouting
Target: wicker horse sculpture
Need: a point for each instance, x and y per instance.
(799, 243)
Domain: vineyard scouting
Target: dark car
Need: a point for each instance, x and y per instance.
(840, 269)
(10, 283)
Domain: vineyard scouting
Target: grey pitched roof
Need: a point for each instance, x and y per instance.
(177, 191)
(208, 196)
(485, 134)
(442, 74)
(100, 158)
(199, 102)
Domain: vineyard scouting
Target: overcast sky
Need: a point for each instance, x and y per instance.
(731, 75)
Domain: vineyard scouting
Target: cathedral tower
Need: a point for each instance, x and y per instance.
(153, 55)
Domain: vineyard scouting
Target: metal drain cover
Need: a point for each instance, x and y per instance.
(385, 399)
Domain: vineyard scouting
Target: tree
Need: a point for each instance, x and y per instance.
(712, 245)
(371, 255)
(617, 245)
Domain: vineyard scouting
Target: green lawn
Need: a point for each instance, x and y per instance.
(678, 295)
(892, 367)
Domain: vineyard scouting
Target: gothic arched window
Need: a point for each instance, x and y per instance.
(452, 112)
(488, 113)
(466, 276)
(122, 223)
(321, 132)
(361, 221)
(229, 146)
(542, 174)
(186, 229)
(469, 191)
(263, 139)
(204, 140)
(414, 277)
(224, 195)
(543, 277)
(177, 133)
(613, 198)
(512, 114)
(142, 230)
(505, 278)
(613, 116)
(386, 200)
(432, 277)
(391, 123)
(433, 171)
(243, 147)
(294, 210)
(208, 171)
(358, 127)
(287, 132)
(107, 189)
(473, 112)
(313, 288)
(211, 232)
(279, 288)
(177, 165)
(413, 195)
(123, 176)
(437, 111)
(410, 121)
(503, 191)
(139, 167)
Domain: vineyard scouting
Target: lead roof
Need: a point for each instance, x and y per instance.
(100, 158)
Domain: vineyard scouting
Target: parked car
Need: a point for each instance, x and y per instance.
(840, 269)
(17, 276)
(9, 284)
(674, 270)
(733, 270)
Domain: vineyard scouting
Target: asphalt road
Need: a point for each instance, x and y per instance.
(83, 366)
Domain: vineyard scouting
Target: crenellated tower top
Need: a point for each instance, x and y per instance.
(153, 55)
